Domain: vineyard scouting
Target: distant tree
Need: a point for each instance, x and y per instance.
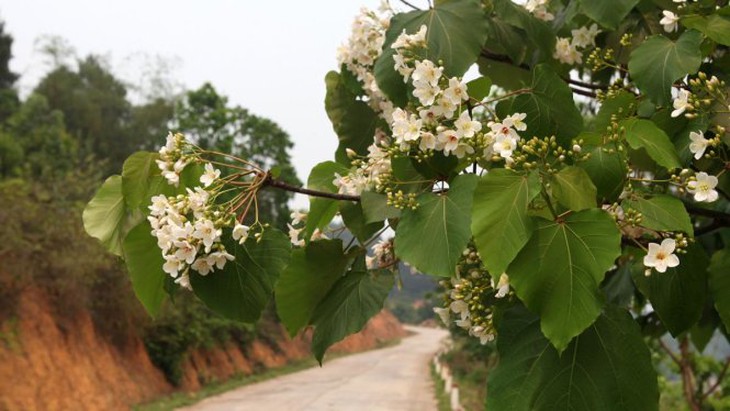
(207, 118)
(8, 95)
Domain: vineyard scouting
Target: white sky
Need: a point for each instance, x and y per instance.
(268, 56)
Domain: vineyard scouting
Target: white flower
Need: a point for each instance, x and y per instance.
(538, 8)
(294, 236)
(443, 314)
(516, 121)
(206, 231)
(502, 286)
(426, 72)
(171, 266)
(482, 334)
(698, 145)
(425, 93)
(185, 251)
(202, 265)
(584, 37)
(172, 177)
(460, 307)
(681, 103)
(209, 175)
(184, 282)
(449, 139)
(197, 198)
(240, 233)
(462, 150)
(465, 127)
(318, 235)
(159, 205)
(566, 52)
(220, 258)
(669, 21)
(661, 256)
(428, 141)
(504, 145)
(297, 217)
(704, 187)
(456, 92)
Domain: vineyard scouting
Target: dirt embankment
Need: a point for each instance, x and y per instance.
(45, 367)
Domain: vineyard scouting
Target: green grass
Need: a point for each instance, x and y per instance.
(443, 399)
(181, 399)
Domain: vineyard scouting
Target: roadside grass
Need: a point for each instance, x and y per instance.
(443, 400)
(182, 399)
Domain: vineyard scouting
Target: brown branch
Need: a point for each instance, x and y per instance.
(688, 379)
(668, 350)
(505, 59)
(272, 182)
(717, 383)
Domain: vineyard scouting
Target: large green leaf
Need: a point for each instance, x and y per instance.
(620, 105)
(353, 120)
(140, 176)
(144, 261)
(456, 32)
(645, 134)
(538, 41)
(354, 219)
(713, 26)
(607, 169)
(678, 295)
(558, 272)
(322, 210)
(658, 62)
(720, 284)
(607, 13)
(375, 207)
(244, 287)
(500, 223)
(606, 368)
(348, 306)
(105, 215)
(662, 212)
(432, 237)
(307, 279)
(573, 188)
(549, 106)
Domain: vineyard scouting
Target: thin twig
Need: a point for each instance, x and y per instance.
(409, 5)
(717, 383)
(272, 182)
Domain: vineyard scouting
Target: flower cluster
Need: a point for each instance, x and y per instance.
(362, 49)
(298, 225)
(174, 157)
(567, 50)
(470, 297)
(371, 172)
(188, 229)
(539, 9)
(383, 255)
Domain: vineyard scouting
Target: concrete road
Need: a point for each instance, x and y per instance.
(390, 379)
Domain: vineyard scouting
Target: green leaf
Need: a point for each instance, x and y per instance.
(479, 88)
(456, 32)
(720, 284)
(144, 261)
(658, 62)
(105, 215)
(500, 223)
(354, 219)
(606, 368)
(244, 287)
(505, 75)
(713, 26)
(432, 237)
(573, 188)
(138, 178)
(322, 210)
(663, 213)
(549, 106)
(645, 134)
(608, 14)
(306, 281)
(353, 120)
(607, 170)
(538, 39)
(558, 272)
(375, 207)
(621, 105)
(678, 295)
(348, 306)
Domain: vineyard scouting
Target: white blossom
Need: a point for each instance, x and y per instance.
(427, 142)
(426, 72)
(681, 103)
(456, 92)
(660, 257)
(219, 259)
(297, 217)
(240, 233)
(502, 286)
(670, 21)
(294, 236)
(443, 313)
(209, 175)
(465, 127)
(698, 144)
(703, 187)
(449, 139)
(566, 52)
(584, 36)
(204, 266)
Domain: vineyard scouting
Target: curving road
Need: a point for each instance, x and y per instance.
(390, 379)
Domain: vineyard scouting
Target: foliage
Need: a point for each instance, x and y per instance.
(574, 230)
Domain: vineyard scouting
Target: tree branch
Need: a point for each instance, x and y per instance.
(272, 182)
(505, 59)
(409, 5)
(717, 383)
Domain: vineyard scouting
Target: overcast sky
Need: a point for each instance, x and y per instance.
(268, 56)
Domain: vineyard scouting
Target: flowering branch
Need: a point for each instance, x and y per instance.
(273, 182)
